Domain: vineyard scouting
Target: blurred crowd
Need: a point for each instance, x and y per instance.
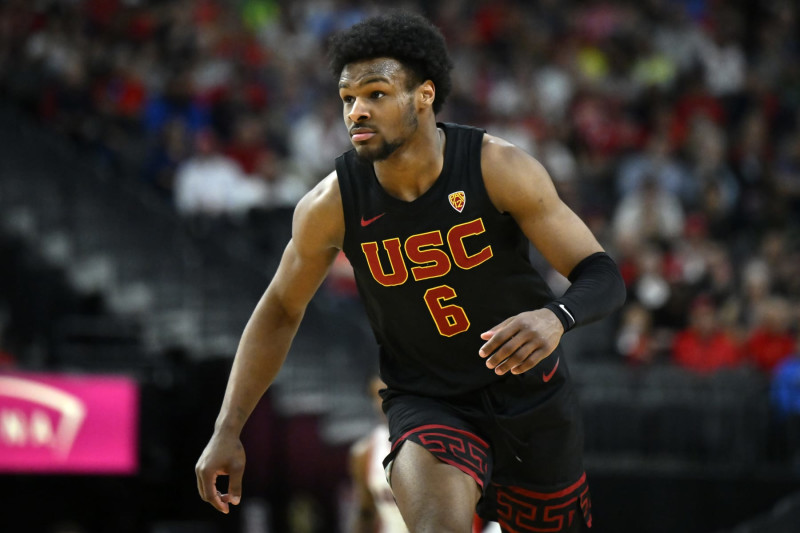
(671, 126)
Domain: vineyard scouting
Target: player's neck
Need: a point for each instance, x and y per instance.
(415, 166)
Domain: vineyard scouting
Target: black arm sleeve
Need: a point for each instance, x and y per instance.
(597, 290)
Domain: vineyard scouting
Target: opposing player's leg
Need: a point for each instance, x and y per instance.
(433, 496)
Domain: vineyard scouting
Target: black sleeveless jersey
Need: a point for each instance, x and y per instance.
(436, 272)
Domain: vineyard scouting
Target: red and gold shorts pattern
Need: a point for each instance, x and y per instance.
(462, 449)
(517, 509)
(521, 511)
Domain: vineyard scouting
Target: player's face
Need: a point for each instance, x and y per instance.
(378, 107)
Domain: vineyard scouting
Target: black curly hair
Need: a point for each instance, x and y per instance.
(409, 38)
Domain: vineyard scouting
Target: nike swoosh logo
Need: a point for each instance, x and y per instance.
(547, 376)
(367, 222)
(568, 313)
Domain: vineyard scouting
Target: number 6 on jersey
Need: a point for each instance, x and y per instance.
(450, 319)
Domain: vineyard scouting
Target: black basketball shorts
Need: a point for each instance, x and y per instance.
(520, 441)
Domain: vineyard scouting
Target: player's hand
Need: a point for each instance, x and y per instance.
(519, 343)
(223, 455)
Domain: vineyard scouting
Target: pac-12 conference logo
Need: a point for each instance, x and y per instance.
(458, 199)
(41, 416)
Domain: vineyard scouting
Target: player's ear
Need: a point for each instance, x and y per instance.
(426, 94)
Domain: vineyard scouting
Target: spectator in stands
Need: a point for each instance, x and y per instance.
(755, 287)
(693, 251)
(787, 174)
(772, 340)
(784, 395)
(752, 156)
(283, 187)
(693, 102)
(703, 346)
(655, 162)
(779, 249)
(720, 284)
(248, 144)
(649, 280)
(635, 339)
(649, 213)
(172, 148)
(176, 101)
(785, 385)
(211, 184)
(722, 55)
(707, 149)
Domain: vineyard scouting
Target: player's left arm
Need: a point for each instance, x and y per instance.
(520, 186)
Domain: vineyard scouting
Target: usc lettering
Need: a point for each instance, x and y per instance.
(426, 251)
(455, 239)
(434, 261)
(398, 274)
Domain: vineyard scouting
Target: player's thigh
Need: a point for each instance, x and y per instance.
(432, 495)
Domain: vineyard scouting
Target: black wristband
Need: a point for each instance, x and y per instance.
(596, 291)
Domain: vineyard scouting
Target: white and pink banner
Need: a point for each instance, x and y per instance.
(68, 424)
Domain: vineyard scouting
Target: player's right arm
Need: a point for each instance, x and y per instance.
(317, 235)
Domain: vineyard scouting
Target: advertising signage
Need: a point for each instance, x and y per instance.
(54, 423)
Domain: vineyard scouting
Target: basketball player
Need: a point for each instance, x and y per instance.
(436, 220)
